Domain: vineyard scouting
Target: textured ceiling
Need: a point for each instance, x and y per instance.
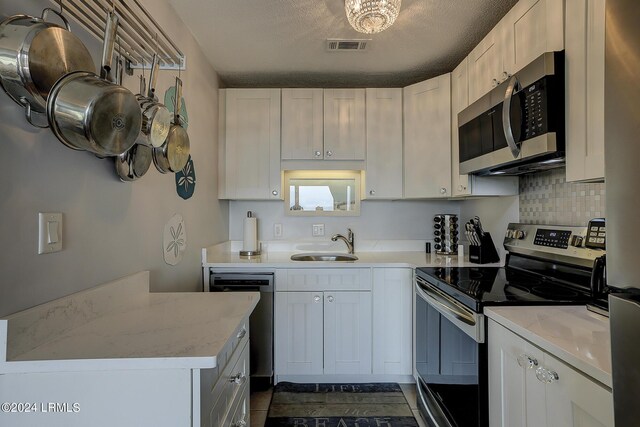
(281, 43)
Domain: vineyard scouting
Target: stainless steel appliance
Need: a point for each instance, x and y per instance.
(622, 174)
(545, 265)
(518, 127)
(260, 322)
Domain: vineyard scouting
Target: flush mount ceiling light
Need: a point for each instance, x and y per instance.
(371, 16)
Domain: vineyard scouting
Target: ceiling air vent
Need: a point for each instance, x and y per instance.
(335, 45)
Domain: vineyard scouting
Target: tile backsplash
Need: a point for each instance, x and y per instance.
(546, 198)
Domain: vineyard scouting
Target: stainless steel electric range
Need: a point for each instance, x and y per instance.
(546, 265)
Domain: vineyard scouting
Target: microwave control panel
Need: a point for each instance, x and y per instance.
(535, 104)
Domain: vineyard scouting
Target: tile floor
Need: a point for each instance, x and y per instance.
(260, 401)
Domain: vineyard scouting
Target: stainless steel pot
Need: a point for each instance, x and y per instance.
(173, 155)
(34, 54)
(156, 118)
(90, 113)
(133, 164)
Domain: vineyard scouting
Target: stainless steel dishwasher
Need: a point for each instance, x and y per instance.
(260, 322)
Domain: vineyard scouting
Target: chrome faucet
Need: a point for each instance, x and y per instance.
(348, 241)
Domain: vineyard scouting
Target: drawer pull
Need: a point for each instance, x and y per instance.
(238, 378)
(527, 362)
(242, 333)
(241, 423)
(546, 375)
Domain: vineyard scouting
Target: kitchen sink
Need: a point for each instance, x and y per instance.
(323, 257)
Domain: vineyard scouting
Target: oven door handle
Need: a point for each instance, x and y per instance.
(430, 405)
(435, 296)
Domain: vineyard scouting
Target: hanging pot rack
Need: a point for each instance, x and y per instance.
(139, 34)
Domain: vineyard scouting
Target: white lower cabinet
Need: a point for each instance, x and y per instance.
(299, 333)
(350, 323)
(323, 333)
(530, 387)
(392, 321)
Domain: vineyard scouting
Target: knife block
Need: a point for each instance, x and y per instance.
(484, 253)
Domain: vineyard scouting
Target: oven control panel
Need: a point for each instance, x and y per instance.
(552, 238)
(564, 243)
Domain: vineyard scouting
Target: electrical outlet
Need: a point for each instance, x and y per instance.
(277, 230)
(318, 230)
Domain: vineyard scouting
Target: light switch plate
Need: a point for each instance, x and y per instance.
(318, 230)
(49, 232)
(277, 230)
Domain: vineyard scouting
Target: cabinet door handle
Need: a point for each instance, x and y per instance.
(527, 361)
(546, 375)
(239, 423)
(274, 192)
(329, 153)
(443, 190)
(330, 298)
(317, 298)
(242, 333)
(317, 153)
(372, 192)
(238, 378)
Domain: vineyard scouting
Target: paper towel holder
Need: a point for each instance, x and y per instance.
(257, 252)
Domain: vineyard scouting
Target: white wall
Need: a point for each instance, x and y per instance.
(111, 228)
(495, 213)
(378, 220)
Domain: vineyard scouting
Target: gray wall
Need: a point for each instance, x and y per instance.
(546, 198)
(111, 229)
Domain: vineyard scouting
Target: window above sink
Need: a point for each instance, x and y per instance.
(322, 193)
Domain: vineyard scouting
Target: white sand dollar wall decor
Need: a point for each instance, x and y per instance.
(174, 242)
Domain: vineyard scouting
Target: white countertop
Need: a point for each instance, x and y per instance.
(226, 255)
(153, 330)
(571, 333)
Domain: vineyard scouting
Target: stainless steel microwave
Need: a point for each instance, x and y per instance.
(518, 127)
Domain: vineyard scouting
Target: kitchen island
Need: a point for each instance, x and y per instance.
(120, 355)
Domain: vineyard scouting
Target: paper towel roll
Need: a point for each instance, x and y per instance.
(250, 241)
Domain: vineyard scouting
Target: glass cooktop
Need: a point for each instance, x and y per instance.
(480, 286)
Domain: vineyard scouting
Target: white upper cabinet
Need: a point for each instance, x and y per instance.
(250, 144)
(427, 138)
(529, 29)
(486, 68)
(459, 101)
(344, 124)
(584, 68)
(383, 177)
(302, 124)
